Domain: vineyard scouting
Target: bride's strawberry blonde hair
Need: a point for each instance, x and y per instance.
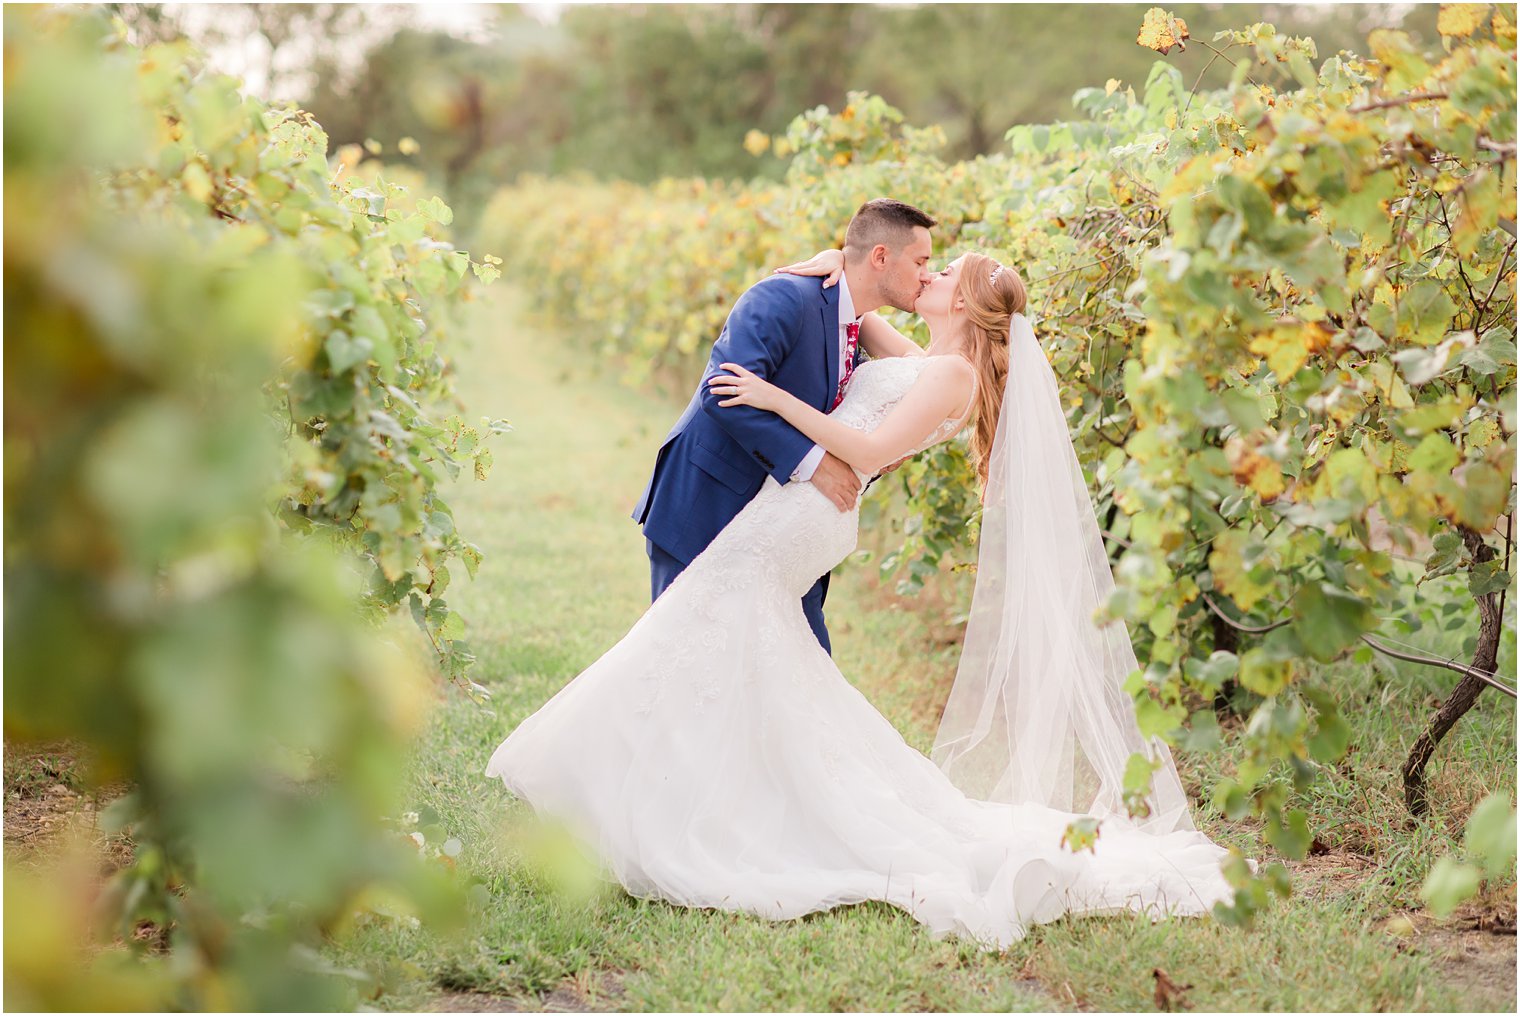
(993, 293)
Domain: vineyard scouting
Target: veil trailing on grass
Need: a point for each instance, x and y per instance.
(1038, 712)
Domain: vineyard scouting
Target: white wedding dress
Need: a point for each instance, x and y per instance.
(716, 757)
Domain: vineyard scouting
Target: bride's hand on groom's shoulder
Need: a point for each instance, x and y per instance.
(740, 387)
(828, 263)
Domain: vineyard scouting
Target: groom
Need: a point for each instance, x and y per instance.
(801, 337)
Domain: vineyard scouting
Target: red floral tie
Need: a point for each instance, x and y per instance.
(851, 337)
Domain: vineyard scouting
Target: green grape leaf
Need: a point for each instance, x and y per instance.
(344, 351)
(1327, 620)
(1331, 734)
(1203, 732)
(1490, 835)
(1449, 884)
(1082, 834)
(1263, 673)
(1289, 833)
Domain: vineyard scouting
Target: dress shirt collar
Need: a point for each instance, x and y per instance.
(846, 305)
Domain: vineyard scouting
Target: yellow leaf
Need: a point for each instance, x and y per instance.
(1226, 561)
(1161, 31)
(1379, 454)
(1349, 474)
(1316, 337)
(408, 146)
(757, 143)
(1504, 28)
(1384, 43)
(1479, 211)
(197, 182)
(1405, 68)
(1476, 498)
(1482, 432)
(1111, 87)
(1254, 470)
(1285, 349)
(1461, 20)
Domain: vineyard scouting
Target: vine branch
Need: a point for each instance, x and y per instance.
(1402, 100)
(1387, 651)
(1248, 629)
(1446, 664)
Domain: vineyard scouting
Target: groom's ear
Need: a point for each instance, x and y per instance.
(879, 255)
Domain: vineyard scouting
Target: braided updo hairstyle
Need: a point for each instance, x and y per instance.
(989, 304)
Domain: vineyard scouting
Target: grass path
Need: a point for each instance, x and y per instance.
(565, 577)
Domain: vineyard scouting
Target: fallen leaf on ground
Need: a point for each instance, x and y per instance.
(1169, 993)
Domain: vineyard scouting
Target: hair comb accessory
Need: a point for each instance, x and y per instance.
(992, 279)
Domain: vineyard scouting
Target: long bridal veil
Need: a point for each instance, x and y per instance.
(1038, 712)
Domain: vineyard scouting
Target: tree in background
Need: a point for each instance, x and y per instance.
(428, 86)
(978, 69)
(638, 92)
(811, 51)
(283, 48)
(635, 95)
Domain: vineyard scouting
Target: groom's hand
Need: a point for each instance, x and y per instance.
(837, 481)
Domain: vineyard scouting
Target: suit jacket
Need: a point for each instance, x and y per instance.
(785, 328)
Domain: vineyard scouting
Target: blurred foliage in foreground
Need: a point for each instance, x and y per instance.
(1284, 320)
(219, 443)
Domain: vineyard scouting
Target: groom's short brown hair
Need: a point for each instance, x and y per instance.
(885, 221)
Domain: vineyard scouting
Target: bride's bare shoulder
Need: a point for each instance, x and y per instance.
(951, 371)
(950, 378)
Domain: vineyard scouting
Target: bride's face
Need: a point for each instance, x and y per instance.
(938, 296)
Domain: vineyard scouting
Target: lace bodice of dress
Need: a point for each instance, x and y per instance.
(879, 385)
(791, 534)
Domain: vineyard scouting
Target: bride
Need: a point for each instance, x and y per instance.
(716, 757)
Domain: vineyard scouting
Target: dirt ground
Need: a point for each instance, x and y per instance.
(1475, 946)
(1476, 950)
(45, 796)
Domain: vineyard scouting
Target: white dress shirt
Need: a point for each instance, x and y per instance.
(809, 463)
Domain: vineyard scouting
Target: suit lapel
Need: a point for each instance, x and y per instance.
(830, 312)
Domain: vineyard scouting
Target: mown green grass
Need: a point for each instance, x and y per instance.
(565, 576)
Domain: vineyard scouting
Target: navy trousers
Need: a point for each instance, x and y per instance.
(663, 569)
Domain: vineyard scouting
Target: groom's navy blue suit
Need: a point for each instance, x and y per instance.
(715, 459)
